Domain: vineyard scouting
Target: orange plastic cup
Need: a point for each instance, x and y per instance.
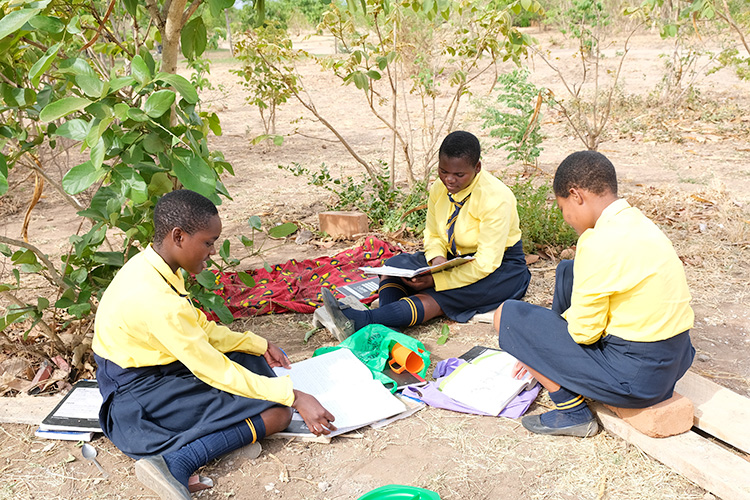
(403, 358)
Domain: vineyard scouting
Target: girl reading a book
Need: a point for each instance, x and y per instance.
(469, 212)
(178, 390)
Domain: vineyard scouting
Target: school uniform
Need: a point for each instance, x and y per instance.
(487, 227)
(618, 330)
(168, 375)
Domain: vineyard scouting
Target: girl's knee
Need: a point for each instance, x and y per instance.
(276, 419)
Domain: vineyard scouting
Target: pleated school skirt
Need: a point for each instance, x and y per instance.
(159, 409)
(612, 370)
(509, 281)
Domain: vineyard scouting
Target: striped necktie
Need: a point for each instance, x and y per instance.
(452, 221)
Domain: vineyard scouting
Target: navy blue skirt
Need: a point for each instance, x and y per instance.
(509, 281)
(159, 409)
(612, 370)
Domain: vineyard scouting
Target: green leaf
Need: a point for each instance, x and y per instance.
(137, 115)
(196, 175)
(214, 124)
(81, 177)
(3, 178)
(92, 86)
(75, 129)
(43, 64)
(97, 153)
(139, 70)
(116, 259)
(193, 38)
(15, 20)
(373, 74)
(443, 338)
(23, 257)
(12, 317)
(131, 6)
(48, 24)
(224, 250)
(153, 144)
(79, 275)
(116, 84)
(121, 110)
(246, 279)
(526, 4)
(254, 222)
(181, 85)
(207, 279)
(79, 310)
(159, 103)
(247, 242)
(42, 303)
(282, 230)
(131, 184)
(76, 66)
(62, 107)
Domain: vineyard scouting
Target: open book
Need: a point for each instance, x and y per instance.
(485, 383)
(410, 273)
(345, 387)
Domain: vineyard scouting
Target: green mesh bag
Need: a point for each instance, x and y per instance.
(372, 345)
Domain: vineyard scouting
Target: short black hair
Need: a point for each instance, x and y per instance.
(182, 208)
(461, 144)
(589, 170)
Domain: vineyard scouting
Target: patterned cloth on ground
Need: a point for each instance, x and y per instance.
(295, 285)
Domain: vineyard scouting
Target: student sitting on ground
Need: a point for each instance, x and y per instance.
(618, 331)
(179, 390)
(469, 212)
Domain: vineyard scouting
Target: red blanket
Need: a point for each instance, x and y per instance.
(295, 285)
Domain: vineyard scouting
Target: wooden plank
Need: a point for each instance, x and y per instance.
(702, 461)
(27, 409)
(718, 411)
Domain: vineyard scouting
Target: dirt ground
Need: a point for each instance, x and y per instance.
(696, 186)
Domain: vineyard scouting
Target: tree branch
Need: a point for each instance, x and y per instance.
(48, 331)
(52, 271)
(190, 11)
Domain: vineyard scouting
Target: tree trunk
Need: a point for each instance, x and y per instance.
(229, 33)
(170, 36)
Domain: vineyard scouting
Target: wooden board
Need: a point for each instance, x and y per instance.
(27, 410)
(718, 411)
(702, 461)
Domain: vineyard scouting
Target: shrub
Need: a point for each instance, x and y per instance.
(542, 223)
(388, 209)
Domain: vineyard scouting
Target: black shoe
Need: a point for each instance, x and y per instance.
(533, 423)
(343, 327)
(154, 473)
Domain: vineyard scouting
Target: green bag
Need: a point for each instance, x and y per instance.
(372, 345)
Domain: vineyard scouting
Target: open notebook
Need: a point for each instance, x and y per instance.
(345, 387)
(485, 382)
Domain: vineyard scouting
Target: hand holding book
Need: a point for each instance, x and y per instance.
(410, 273)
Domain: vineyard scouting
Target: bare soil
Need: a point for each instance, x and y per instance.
(695, 185)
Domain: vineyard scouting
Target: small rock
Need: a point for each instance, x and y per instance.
(567, 254)
(324, 486)
(270, 487)
(704, 357)
(303, 237)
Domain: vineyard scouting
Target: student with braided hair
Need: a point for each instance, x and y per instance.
(469, 212)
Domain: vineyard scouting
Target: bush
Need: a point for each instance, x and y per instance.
(517, 129)
(542, 223)
(388, 209)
